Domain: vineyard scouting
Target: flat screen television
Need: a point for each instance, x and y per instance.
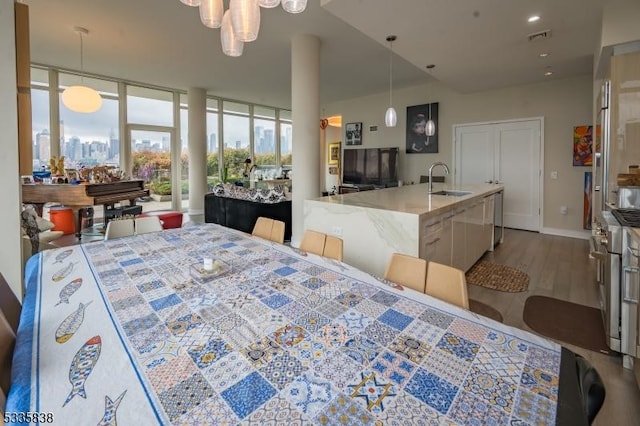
(371, 166)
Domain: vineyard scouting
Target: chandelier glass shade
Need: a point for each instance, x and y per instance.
(211, 12)
(430, 128)
(81, 98)
(245, 17)
(390, 117)
(294, 6)
(231, 46)
(268, 3)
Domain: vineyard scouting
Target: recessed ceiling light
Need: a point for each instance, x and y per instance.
(543, 55)
(548, 73)
(533, 18)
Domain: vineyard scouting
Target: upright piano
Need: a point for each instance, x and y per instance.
(83, 195)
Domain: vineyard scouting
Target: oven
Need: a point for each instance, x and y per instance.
(630, 291)
(606, 247)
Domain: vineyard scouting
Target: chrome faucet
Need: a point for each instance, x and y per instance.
(437, 163)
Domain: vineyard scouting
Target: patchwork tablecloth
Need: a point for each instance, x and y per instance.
(133, 330)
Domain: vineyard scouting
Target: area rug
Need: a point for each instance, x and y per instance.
(567, 322)
(497, 277)
(484, 310)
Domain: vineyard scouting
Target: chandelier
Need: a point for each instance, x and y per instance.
(240, 23)
(81, 98)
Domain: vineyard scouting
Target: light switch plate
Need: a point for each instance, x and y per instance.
(554, 175)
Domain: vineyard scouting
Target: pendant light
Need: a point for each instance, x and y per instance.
(81, 98)
(430, 128)
(211, 12)
(268, 3)
(193, 3)
(231, 46)
(294, 6)
(390, 117)
(245, 17)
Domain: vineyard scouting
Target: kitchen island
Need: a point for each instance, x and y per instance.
(454, 229)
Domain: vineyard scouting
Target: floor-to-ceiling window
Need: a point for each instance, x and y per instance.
(150, 120)
(40, 126)
(154, 132)
(286, 141)
(88, 140)
(214, 150)
(264, 138)
(237, 137)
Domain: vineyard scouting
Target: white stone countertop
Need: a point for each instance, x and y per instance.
(413, 199)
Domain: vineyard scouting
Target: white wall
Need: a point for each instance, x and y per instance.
(10, 252)
(564, 103)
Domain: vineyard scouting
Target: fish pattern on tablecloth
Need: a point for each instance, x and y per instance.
(63, 273)
(82, 366)
(285, 337)
(62, 256)
(71, 324)
(68, 291)
(111, 407)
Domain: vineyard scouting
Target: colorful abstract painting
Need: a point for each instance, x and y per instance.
(583, 145)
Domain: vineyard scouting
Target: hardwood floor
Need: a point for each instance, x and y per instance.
(560, 267)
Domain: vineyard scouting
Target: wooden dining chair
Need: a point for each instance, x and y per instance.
(448, 284)
(9, 304)
(333, 248)
(7, 343)
(406, 270)
(277, 231)
(119, 228)
(313, 242)
(144, 225)
(263, 228)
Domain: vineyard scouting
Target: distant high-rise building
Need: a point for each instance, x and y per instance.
(238, 143)
(114, 145)
(269, 141)
(43, 145)
(213, 143)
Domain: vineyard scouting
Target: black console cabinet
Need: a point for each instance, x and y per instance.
(242, 214)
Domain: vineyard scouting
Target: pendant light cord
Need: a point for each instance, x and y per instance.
(391, 39)
(390, 73)
(81, 58)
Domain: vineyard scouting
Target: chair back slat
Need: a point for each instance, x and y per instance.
(407, 270)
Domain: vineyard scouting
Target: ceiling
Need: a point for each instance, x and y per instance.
(475, 44)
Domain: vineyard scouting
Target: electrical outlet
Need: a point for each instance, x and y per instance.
(337, 231)
(564, 210)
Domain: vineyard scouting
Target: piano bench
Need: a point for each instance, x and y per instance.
(169, 218)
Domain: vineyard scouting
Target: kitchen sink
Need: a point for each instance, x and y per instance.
(451, 193)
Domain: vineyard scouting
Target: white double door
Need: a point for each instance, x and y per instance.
(507, 153)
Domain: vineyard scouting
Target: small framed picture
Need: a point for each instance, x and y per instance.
(354, 133)
(333, 153)
(26, 179)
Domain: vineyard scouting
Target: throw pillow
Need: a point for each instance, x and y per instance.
(44, 224)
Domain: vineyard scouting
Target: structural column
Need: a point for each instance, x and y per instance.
(305, 112)
(197, 152)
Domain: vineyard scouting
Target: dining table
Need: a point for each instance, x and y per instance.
(209, 325)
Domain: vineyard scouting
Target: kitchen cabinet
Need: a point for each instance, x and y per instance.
(449, 229)
(436, 240)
